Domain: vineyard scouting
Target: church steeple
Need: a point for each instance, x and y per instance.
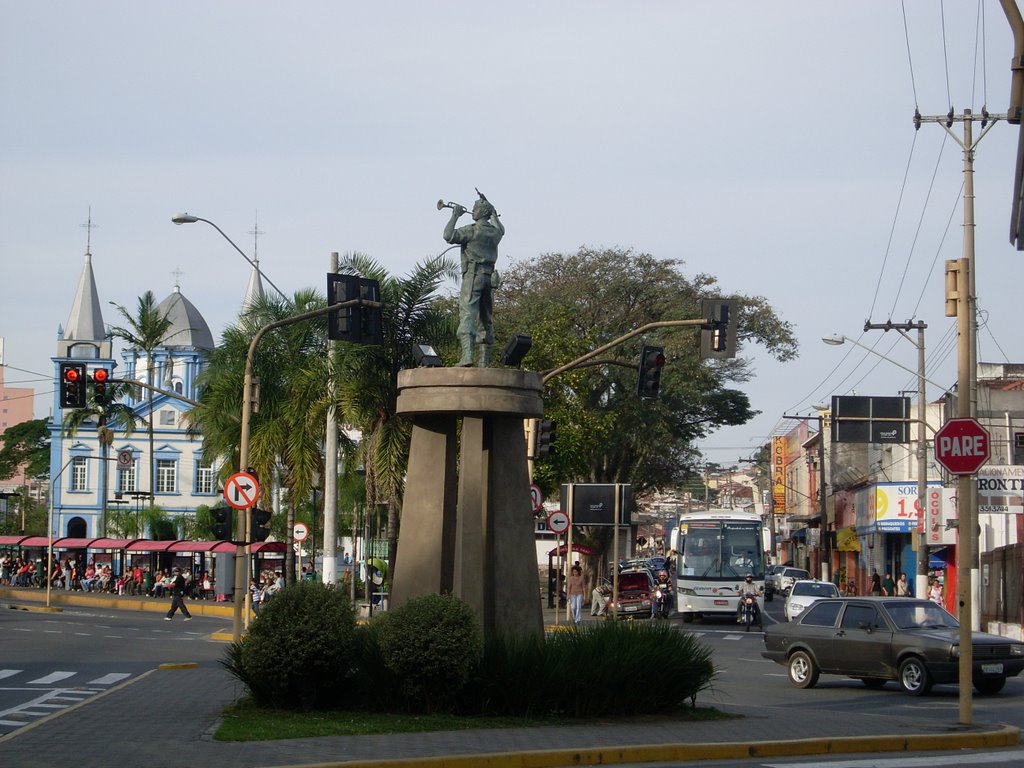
(85, 335)
(85, 323)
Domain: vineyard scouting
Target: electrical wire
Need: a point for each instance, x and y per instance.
(895, 219)
(920, 223)
(945, 52)
(910, 60)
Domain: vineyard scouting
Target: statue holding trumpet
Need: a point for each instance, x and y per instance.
(479, 242)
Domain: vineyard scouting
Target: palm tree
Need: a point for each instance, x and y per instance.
(144, 331)
(109, 416)
(283, 438)
(367, 391)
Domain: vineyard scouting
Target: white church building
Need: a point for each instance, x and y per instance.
(83, 475)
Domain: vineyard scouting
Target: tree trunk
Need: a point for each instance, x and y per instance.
(392, 539)
(289, 537)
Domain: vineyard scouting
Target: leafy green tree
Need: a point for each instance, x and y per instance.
(26, 444)
(573, 303)
(145, 331)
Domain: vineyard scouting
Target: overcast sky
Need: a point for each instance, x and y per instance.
(769, 144)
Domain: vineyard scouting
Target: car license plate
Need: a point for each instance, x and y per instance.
(992, 669)
(721, 602)
(629, 608)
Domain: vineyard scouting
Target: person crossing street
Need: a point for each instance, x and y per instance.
(178, 597)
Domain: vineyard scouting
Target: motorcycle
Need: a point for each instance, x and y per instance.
(749, 613)
(662, 600)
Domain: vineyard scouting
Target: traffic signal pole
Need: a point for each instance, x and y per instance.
(241, 591)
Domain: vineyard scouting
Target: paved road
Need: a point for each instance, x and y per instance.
(166, 717)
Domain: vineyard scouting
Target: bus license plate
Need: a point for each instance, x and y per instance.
(721, 602)
(992, 669)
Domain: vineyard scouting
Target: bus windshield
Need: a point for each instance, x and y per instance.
(720, 549)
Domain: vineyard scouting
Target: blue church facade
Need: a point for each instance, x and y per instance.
(100, 477)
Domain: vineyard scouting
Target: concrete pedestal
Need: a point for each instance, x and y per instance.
(467, 527)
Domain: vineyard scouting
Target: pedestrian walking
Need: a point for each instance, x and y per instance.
(876, 583)
(903, 587)
(178, 597)
(888, 585)
(575, 589)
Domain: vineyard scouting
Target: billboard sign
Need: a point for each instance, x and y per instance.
(594, 503)
(858, 419)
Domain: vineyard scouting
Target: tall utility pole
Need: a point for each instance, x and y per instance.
(921, 539)
(330, 566)
(968, 582)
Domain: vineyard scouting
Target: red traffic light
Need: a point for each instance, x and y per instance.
(100, 375)
(659, 360)
(71, 374)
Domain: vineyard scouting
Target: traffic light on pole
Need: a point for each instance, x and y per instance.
(222, 520)
(259, 524)
(546, 437)
(718, 337)
(99, 385)
(72, 385)
(355, 324)
(652, 360)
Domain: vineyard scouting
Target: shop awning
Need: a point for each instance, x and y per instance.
(579, 549)
(939, 558)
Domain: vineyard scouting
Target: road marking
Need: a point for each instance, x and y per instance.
(8, 673)
(113, 677)
(909, 762)
(53, 677)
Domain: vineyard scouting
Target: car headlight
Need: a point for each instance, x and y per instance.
(687, 591)
(646, 603)
(795, 608)
(955, 651)
(1017, 650)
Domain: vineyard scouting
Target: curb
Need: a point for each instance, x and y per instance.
(180, 665)
(36, 608)
(1003, 736)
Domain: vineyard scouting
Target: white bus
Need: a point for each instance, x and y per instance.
(715, 550)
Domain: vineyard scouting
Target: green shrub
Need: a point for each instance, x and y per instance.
(431, 646)
(298, 652)
(611, 668)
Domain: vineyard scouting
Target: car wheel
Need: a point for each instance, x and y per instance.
(990, 685)
(874, 682)
(687, 618)
(914, 677)
(803, 672)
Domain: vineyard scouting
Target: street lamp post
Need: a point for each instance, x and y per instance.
(186, 218)
(921, 577)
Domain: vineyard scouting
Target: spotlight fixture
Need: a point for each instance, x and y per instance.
(426, 356)
(516, 350)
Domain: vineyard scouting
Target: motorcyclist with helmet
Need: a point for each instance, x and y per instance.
(749, 588)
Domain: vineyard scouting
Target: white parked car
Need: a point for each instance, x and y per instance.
(789, 576)
(805, 592)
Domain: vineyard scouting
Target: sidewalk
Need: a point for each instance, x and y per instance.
(136, 725)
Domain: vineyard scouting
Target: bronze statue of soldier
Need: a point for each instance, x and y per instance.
(479, 242)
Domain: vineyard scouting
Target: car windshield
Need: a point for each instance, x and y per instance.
(919, 615)
(817, 589)
(796, 573)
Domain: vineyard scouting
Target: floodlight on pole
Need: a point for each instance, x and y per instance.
(187, 218)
